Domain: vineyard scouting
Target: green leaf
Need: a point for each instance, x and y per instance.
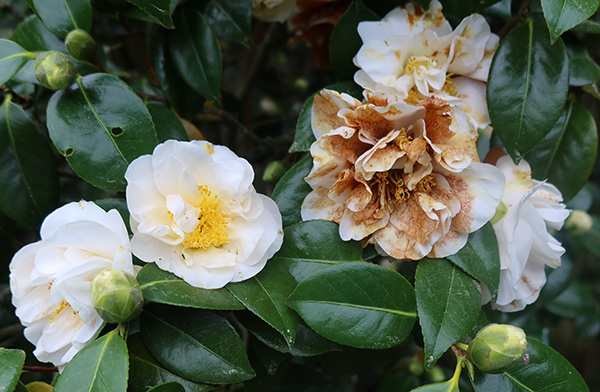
(164, 287)
(28, 173)
(562, 15)
(265, 295)
(446, 386)
(231, 19)
(312, 245)
(196, 53)
(305, 137)
(449, 304)
(527, 87)
(12, 58)
(357, 304)
(582, 69)
(21, 387)
(306, 344)
(547, 371)
(62, 16)
(291, 189)
(145, 372)
(100, 125)
(566, 156)
(166, 123)
(575, 301)
(11, 365)
(480, 258)
(589, 27)
(171, 386)
(32, 35)
(157, 9)
(345, 41)
(270, 359)
(462, 8)
(196, 344)
(100, 366)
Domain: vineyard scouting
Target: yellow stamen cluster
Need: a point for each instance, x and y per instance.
(426, 184)
(413, 97)
(402, 140)
(60, 308)
(212, 224)
(450, 86)
(392, 190)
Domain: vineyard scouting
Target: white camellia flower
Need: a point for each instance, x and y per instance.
(195, 213)
(529, 211)
(414, 54)
(50, 279)
(273, 10)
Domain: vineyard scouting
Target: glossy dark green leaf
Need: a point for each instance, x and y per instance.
(270, 359)
(11, 365)
(171, 386)
(547, 371)
(588, 26)
(265, 295)
(32, 35)
(100, 366)
(566, 156)
(304, 137)
(312, 245)
(575, 301)
(196, 344)
(21, 387)
(231, 19)
(166, 123)
(12, 58)
(345, 41)
(527, 87)
(306, 344)
(446, 386)
(157, 9)
(462, 8)
(480, 258)
(145, 372)
(100, 125)
(582, 69)
(449, 304)
(186, 101)
(62, 16)
(196, 53)
(164, 287)
(562, 15)
(28, 173)
(357, 304)
(291, 189)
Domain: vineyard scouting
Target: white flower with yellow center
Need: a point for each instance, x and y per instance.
(273, 10)
(414, 53)
(529, 212)
(195, 213)
(50, 279)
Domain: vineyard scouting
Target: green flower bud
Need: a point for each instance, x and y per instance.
(80, 44)
(39, 386)
(116, 296)
(274, 171)
(497, 348)
(54, 70)
(578, 222)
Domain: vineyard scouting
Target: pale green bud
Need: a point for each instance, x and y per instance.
(274, 171)
(116, 296)
(39, 386)
(80, 44)
(578, 222)
(54, 70)
(497, 348)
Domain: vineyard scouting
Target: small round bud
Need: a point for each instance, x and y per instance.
(578, 222)
(80, 44)
(54, 70)
(116, 296)
(497, 348)
(39, 386)
(274, 171)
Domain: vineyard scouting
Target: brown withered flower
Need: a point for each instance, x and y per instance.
(396, 175)
(313, 23)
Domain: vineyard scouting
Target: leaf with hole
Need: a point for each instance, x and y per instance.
(100, 366)
(196, 344)
(28, 172)
(527, 87)
(357, 304)
(566, 156)
(11, 365)
(62, 16)
(12, 58)
(449, 304)
(163, 287)
(100, 125)
(562, 15)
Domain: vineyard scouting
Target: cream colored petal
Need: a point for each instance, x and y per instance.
(70, 212)
(482, 71)
(399, 244)
(354, 228)
(326, 167)
(326, 105)
(448, 245)
(471, 37)
(318, 205)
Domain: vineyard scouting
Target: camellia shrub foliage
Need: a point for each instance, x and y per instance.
(310, 195)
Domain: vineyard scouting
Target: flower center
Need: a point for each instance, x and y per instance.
(212, 224)
(415, 64)
(393, 191)
(450, 86)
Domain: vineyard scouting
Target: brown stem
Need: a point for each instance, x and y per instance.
(40, 369)
(520, 15)
(97, 63)
(458, 352)
(138, 46)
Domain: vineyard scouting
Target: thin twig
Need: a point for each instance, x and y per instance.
(40, 369)
(520, 15)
